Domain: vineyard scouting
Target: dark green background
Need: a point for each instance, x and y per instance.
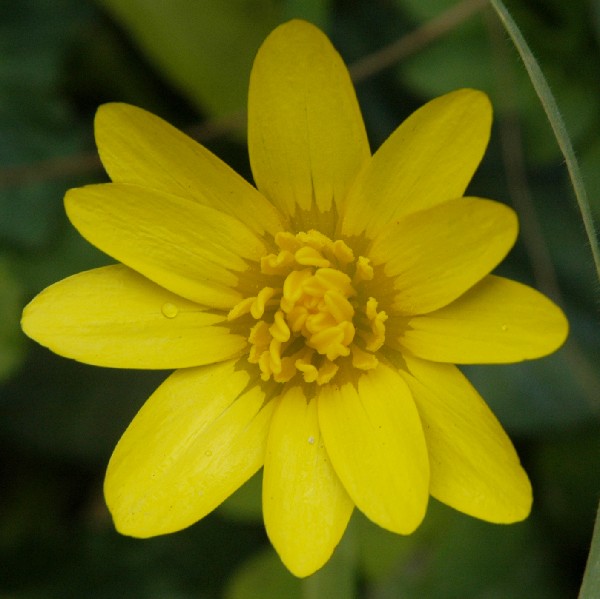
(188, 61)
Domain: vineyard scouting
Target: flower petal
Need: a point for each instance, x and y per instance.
(306, 508)
(374, 439)
(306, 136)
(474, 467)
(429, 159)
(435, 255)
(114, 317)
(199, 437)
(190, 249)
(139, 148)
(496, 321)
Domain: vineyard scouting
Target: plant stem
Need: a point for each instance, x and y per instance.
(591, 577)
(556, 121)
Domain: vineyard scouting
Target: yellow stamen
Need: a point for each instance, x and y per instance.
(293, 287)
(309, 372)
(326, 372)
(287, 241)
(333, 341)
(288, 370)
(279, 329)
(308, 256)
(338, 306)
(316, 304)
(314, 239)
(275, 355)
(364, 271)
(331, 278)
(258, 305)
(374, 340)
(259, 339)
(277, 264)
(343, 254)
(362, 359)
(240, 309)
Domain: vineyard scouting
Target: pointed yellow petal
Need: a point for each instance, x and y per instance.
(114, 317)
(435, 255)
(496, 321)
(474, 467)
(306, 508)
(139, 148)
(429, 159)
(374, 439)
(190, 249)
(198, 438)
(305, 132)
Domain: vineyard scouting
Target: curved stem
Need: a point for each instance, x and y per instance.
(556, 121)
(591, 577)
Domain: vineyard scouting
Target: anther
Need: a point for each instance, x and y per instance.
(279, 329)
(307, 256)
(258, 306)
(313, 311)
(363, 272)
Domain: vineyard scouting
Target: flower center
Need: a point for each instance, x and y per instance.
(313, 318)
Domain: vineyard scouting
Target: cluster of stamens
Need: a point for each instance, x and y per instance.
(314, 318)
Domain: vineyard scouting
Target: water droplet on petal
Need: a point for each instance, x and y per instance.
(505, 327)
(311, 440)
(169, 310)
(208, 453)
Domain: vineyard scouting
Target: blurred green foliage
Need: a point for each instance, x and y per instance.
(11, 341)
(174, 34)
(189, 61)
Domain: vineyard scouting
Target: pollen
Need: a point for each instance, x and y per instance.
(317, 314)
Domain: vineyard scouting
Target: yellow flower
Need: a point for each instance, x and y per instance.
(313, 320)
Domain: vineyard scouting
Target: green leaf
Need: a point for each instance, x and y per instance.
(537, 396)
(68, 410)
(381, 551)
(315, 11)
(84, 557)
(35, 119)
(263, 576)
(338, 577)
(69, 254)
(470, 57)
(590, 169)
(596, 16)
(11, 338)
(465, 557)
(559, 128)
(591, 579)
(425, 10)
(245, 505)
(565, 474)
(205, 48)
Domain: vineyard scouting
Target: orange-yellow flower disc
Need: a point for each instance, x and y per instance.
(312, 321)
